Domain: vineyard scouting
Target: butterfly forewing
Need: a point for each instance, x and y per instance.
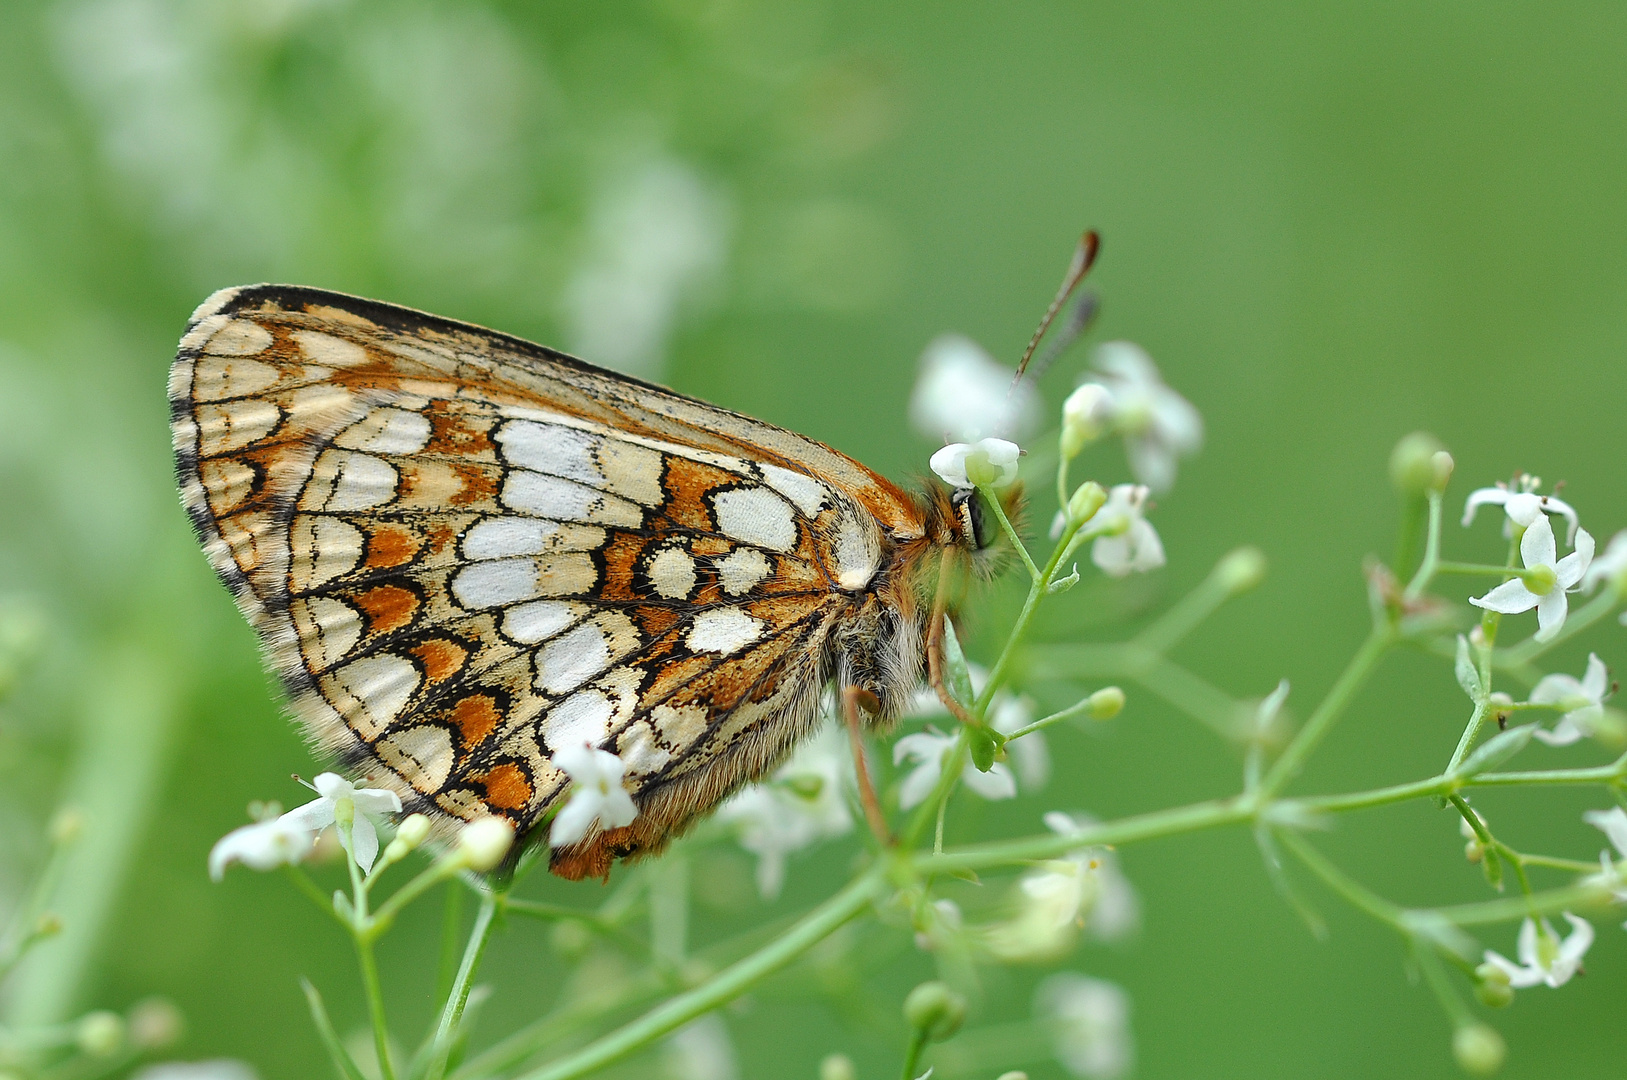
(463, 552)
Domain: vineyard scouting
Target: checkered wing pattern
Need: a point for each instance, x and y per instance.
(463, 551)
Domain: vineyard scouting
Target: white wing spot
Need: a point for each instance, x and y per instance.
(858, 554)
(323, 548)
(756, 515)
(808, 494)
(564, 500)
(387, 431)
(572, 659)
(217, 377)
(422, 755)
(742, 570)
(240, 337)
(540, 620)
(492, 584)
(233, 425)
(329, 351)
(359, 482)
(581, 718)
(329, 629)
(380, 686)
(493, 538)
(672, 572)
(723, 630)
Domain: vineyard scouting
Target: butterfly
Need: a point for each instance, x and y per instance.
(463, 551)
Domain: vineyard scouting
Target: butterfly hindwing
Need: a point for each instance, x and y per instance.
(463, 551)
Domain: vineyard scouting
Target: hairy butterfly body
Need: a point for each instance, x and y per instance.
(463, 551)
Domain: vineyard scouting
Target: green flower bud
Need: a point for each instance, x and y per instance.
(1478, 1049)
(1106, 703)
(155, 1023)
(1084, 417)
(1491, 986)
(934, 1009)
(99, 1034)
(1610, 728)
(413, 831)
(1413, 468)
(1014, 1074)
(484, 841)
(1086, 499)
(837, 1067)
(1241, 570)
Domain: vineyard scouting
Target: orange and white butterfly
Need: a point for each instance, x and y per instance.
(463, 551)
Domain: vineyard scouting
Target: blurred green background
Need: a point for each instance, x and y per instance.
(1330, 225)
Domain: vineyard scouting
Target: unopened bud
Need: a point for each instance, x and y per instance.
(155, 1023)
(1084, 416)
(484, 841)
(1443, 465)
(1014, 1074)
(99, 1034)
(837, 1067)
(1106, 703)
(1086, 499)
(413, 831)
(1478, 1049)
(1413, 469)
(66, 825)
(807, 786)
(1241, 570)
(935, 1010)
(1492, 987)
(1473, 851)
(49, 924)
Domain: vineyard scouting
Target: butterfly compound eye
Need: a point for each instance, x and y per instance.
(973, 519)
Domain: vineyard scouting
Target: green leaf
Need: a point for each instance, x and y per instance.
(1468, 674)
(1496, 750)
(954, 662)
(980, 741)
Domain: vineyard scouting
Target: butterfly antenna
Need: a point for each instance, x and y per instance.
(1080, 316)
(1083, 256)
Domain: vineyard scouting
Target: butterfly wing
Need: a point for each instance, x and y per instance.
(463, 551)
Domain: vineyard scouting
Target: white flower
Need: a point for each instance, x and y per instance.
(1543, 957)
(1538, 553)
(265, 845)
(701, 1050)
(963, 393)
(1613, 822)
(1522, 506)
(364, 805)
(217, 1069)
(1115, 913)
(1047, 918)
(990, 462)
(1610, 567)
(1583, 702)
(1085, 416)
(1130, 544)
(597, 796)
(485, 841)
(929, 748)
(1157, 423)
(801, 805)
(1089, 1021)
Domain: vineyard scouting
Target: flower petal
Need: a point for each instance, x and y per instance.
(1112, 555)
(949, 463)
(1553, 689)
(1509, 598)
(315, 815)
(1563, 734)
(571, 823)
(1537, 545)
(1613, 822)
(1551, 611)
(919, 784)
(1573, 567)
(1492, 496)
(1596, 680)
(1149, 550)
(365, 839)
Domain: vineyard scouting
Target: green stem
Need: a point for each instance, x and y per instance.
(1187, 613)
(991, 499)
(1471, 732)
(442, 869)
(375, 1004)
(1359, 896)
(1429, 963)
(1036, 590)
(1327, 713)
(330, 1038)
(1432, 552)
(723, 987)
(447, 1030)
(1072, 712)
(912, 1055)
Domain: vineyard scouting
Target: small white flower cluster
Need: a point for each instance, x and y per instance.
(1126, 396)
(289, 838)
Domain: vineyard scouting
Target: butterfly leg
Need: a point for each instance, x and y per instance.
(853, 697)
(934, 648)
